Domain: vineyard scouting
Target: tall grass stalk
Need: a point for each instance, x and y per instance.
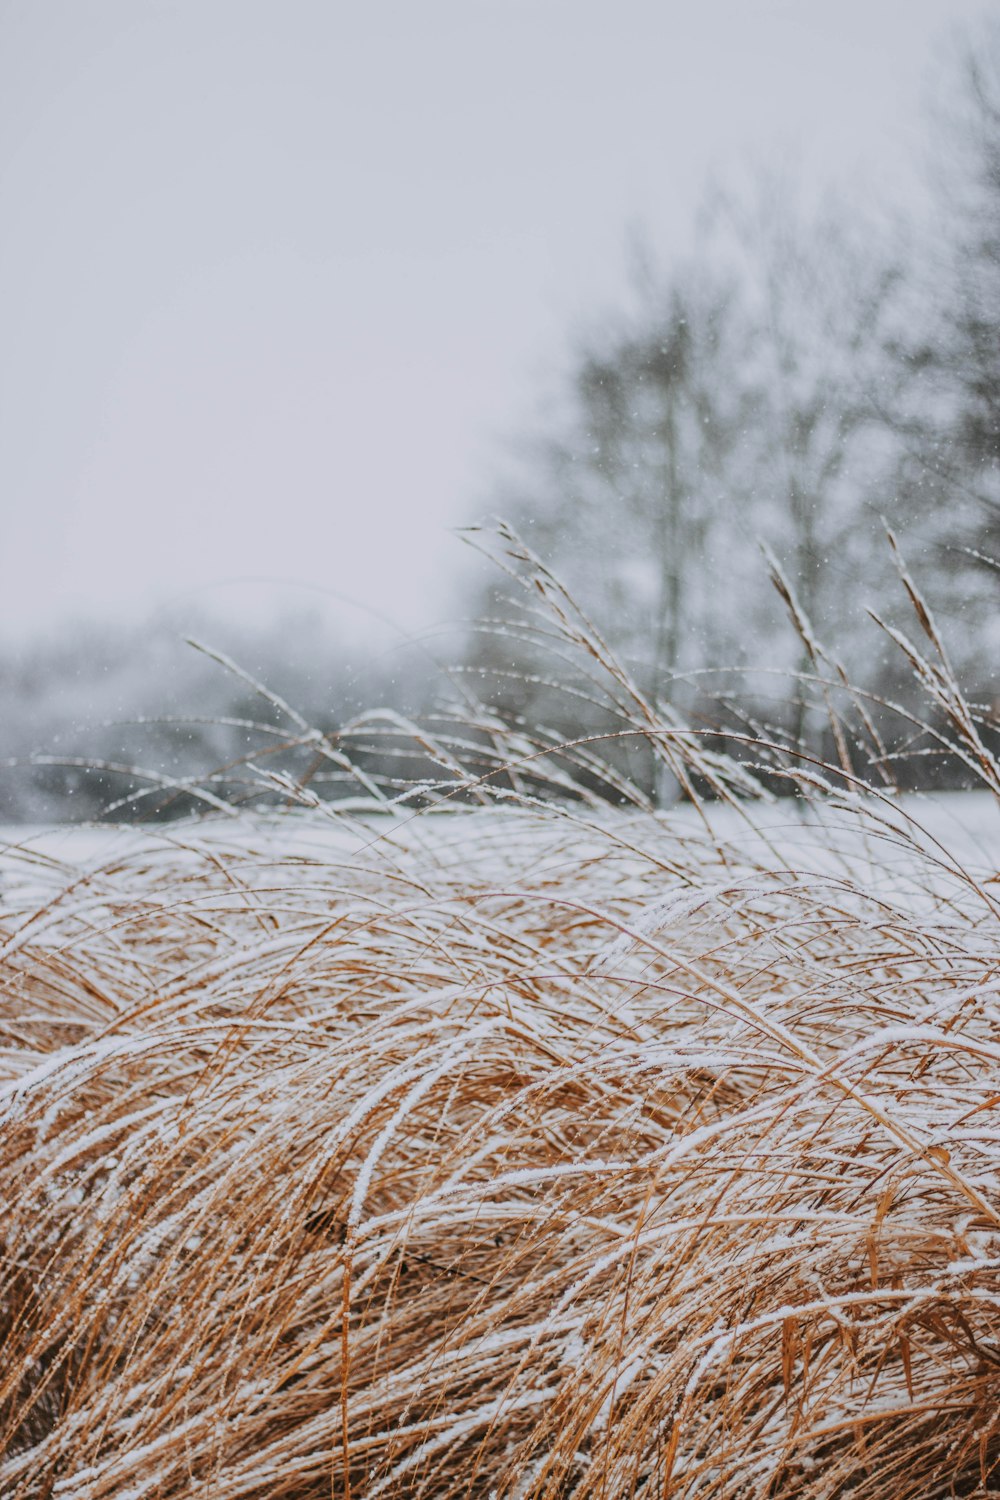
(494, 1141)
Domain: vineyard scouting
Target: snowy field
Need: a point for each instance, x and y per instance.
(529, 1152)
(965, 824)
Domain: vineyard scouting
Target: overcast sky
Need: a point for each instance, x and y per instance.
(275, 278)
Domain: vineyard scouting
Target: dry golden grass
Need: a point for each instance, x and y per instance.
(542, 1151)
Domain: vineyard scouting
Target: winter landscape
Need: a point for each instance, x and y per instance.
(480, 1141)
(551, 1054)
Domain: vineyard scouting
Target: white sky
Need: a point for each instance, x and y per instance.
(276, 277)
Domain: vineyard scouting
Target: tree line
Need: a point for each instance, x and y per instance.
(714, 482)
(808, 381)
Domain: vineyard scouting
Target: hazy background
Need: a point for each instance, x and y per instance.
(279, 281)
(276, 276)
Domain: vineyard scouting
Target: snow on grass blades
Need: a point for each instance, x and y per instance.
(535, 1147)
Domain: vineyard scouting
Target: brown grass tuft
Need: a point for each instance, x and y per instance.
(544, 1151)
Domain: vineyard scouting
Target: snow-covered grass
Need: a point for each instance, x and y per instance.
(536, 1150)
(501, 1150)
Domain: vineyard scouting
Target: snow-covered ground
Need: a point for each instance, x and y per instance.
(494, 1141)
(962, 829)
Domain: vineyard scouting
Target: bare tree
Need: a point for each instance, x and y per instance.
(820, 290)
(630, 497)
(953, 415)
(734, 405)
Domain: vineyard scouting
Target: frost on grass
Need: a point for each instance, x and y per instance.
(533, 1150)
